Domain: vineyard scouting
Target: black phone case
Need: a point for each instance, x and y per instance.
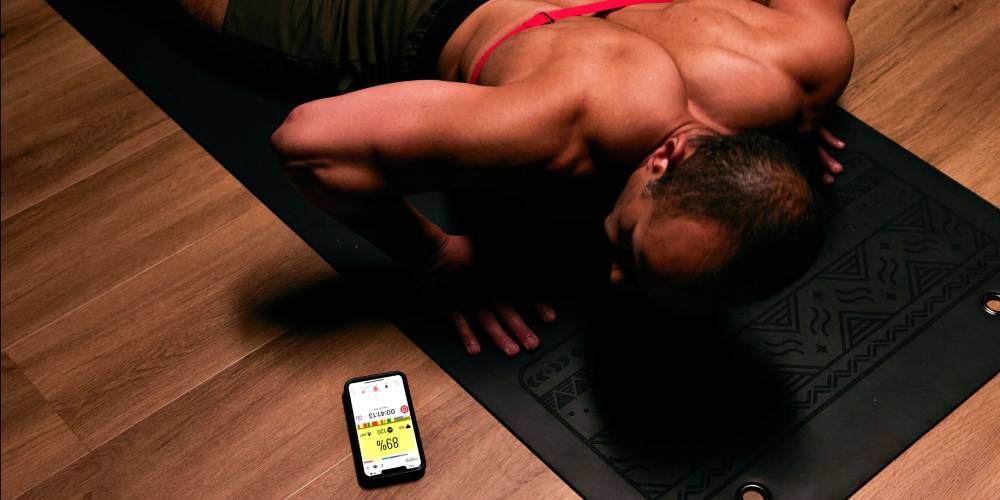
(385, 479)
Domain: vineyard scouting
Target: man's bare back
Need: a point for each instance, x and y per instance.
(737, 64)
(730, 64)
(639, 92)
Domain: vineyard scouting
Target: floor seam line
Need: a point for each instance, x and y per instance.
(52, 407)
(97, 60)
(91, 450)
(144, 270)
(102, 169)
(192, 389)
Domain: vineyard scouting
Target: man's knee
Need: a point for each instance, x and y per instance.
(209, 13)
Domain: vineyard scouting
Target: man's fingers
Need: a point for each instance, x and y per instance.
(465, 332)
(545, 311)
(516, 324)
(500, 338)
(830, 138)
(828, 179)
(832, 166)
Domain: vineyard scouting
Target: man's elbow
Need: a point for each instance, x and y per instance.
(290, 141)
(300, 162)
(315, 163)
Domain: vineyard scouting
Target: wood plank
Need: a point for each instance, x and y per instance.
(465, 446)
(118, 359)
(959, 458)
(926, 76)
(20, 20)
(68, 131)
(262, 428)
(64, 252)
(38, 49)
(273, 422)
(35, 442)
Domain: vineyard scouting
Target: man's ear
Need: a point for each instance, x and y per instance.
(667, 156)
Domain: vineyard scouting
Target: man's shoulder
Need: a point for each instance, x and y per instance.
(631, 101)
(745, 65)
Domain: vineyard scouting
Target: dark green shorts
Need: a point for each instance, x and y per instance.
(355, 43)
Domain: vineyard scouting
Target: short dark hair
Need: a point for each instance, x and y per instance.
(755, 187)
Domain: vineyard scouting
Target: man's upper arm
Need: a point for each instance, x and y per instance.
(423, 135)
(807, 8)
(819, 48)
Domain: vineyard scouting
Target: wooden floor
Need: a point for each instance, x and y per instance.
(141, 352)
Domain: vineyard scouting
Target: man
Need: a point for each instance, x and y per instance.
(528, 93)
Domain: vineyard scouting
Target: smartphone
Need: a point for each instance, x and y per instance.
(383, 430)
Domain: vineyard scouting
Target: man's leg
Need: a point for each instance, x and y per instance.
(345, 44)
(210, 13)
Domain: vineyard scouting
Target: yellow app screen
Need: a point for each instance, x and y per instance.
(382, 421)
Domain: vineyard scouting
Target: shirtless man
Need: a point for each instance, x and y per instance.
(665, 96)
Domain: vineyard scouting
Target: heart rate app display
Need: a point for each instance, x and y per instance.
(382, 420)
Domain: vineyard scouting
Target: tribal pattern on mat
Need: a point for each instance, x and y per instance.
(879, 283)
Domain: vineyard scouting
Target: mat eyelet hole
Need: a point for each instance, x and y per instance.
(991, 303)
(753, 491)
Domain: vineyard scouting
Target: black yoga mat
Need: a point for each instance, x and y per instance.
(808, 393)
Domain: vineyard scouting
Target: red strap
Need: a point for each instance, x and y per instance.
(543, 18)
(603, 6)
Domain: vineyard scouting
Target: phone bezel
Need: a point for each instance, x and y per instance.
(381, 480)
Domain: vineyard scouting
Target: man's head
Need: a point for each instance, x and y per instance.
(708, 221)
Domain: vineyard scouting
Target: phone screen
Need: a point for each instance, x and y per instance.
(386, 436)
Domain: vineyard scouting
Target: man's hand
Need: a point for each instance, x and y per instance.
(510, 323)
(469, 301)
(831, 168)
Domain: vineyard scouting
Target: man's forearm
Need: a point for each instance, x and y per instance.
(357, 154)
(386, 220)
